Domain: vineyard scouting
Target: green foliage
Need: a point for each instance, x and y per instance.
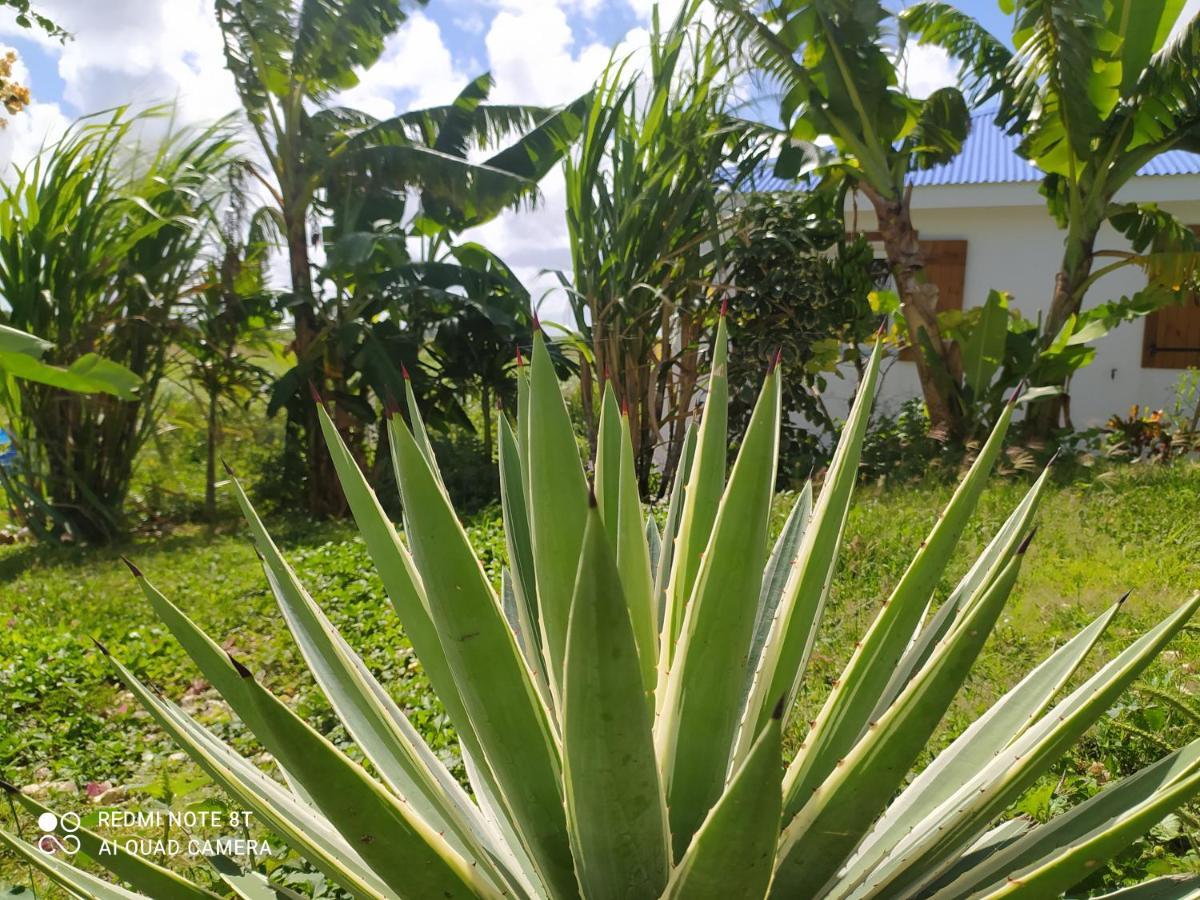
(532, 690)
(645, 221)
(794, 297)
(1096, 91)
(356, 333)
(28, 17)
(836, 69)
(97, 243)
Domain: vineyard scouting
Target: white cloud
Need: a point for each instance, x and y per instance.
(126, 52)
(667, 9)
(927, 68)
(417, 63)
(530, 51)
(534, 57)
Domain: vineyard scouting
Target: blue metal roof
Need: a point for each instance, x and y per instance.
(989, 156)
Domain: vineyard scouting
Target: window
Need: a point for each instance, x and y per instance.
(1171, 335)
(1171, 339)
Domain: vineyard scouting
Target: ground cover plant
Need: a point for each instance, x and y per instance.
(709, 829)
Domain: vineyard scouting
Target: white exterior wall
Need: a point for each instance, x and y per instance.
(1014, 245)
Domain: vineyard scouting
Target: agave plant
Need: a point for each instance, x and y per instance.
(622, 695)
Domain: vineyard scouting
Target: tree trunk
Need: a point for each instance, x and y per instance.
(324, 493)
(485, 409)
(210, 471)
(1047, 414)
(919, 298)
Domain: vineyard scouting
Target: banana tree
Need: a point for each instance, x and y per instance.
(838, 80)
(289, 58)
(1097, 91)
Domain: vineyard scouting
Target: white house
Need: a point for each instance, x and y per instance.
(986, 226)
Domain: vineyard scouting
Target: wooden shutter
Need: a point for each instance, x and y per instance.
(945, 266)
(1171, 335)
(1171, 339)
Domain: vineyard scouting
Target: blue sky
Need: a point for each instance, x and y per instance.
(539, 51)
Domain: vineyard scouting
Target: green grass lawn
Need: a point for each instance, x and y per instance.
(63, 718)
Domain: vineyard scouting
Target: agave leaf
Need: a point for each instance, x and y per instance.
(958, 763)
(633, 562)
(74, 880)
(398, 574)
(615, 807)
(1168, 887)
(666, 555)
(416, 424)
(558, 506)
(924, 642)
(519, 543)
(839, 812)
(395, 842)
(497, 689)
(790, 639)
(700, 714)
(608, 462)
(348, 798)
(494, 814)
(141, 873)
(701, 498)
(1065, 849)
(508, 602)
(733, 851)
(295, 821)
(962, 816)
(849, 706)
(374, 721)
(1003, 835)
(523, 424)
(654, 549)
(775, 578)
